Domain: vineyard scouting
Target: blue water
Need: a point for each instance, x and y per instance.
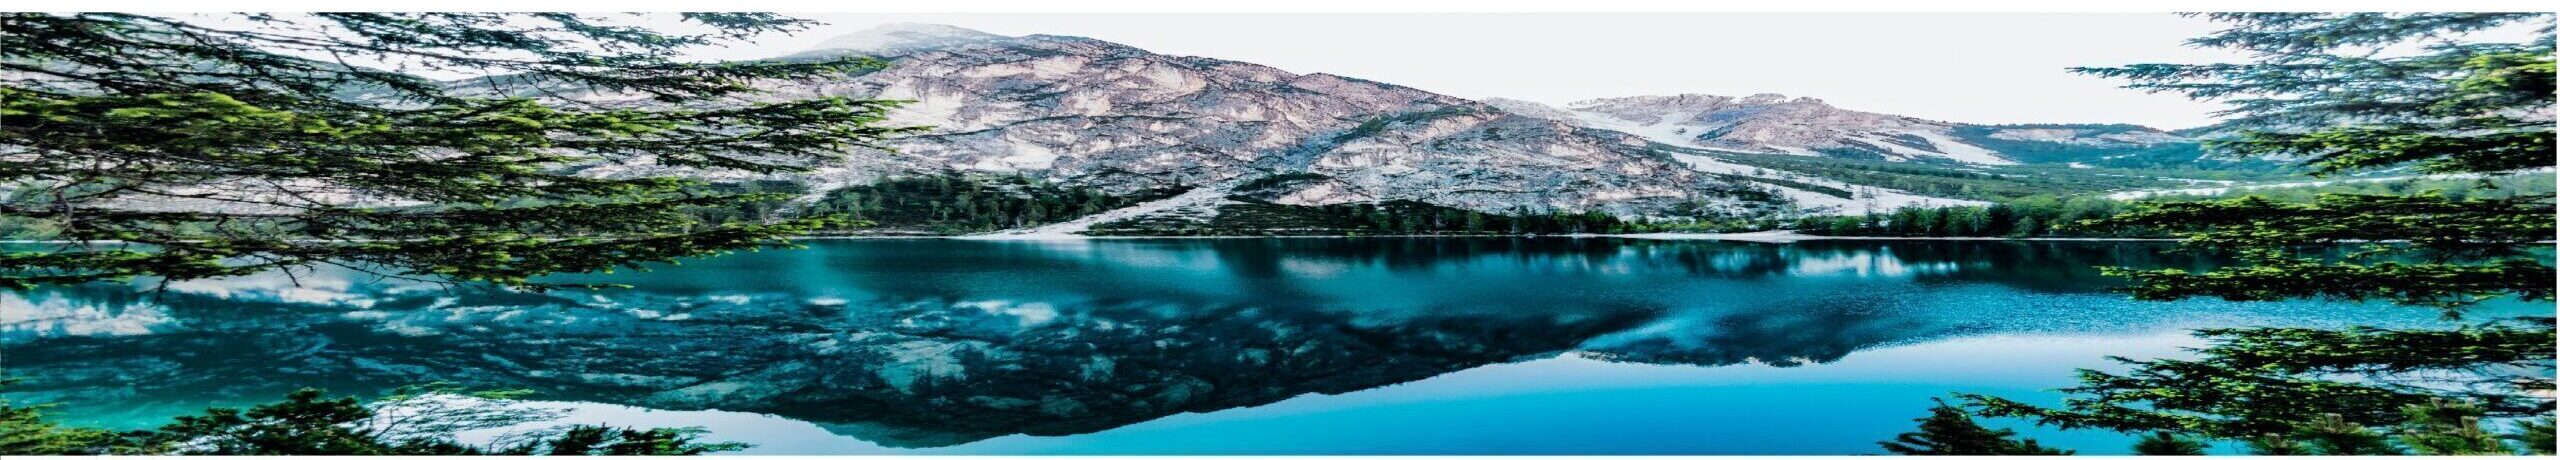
(1239, 346)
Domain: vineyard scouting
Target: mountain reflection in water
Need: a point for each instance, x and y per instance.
(932, 342)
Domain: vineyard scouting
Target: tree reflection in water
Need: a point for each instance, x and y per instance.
(912, 343)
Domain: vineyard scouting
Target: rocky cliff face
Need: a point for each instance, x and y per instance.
(1772, 123)
(1090, 112)
(1085, 112)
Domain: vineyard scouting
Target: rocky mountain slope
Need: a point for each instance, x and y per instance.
(1772, 123)
(1088, 113)
(1094, 113)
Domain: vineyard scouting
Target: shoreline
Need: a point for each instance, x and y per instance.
(1773, 236)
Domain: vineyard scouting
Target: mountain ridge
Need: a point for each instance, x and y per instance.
(1120, 119)
(1775, 123)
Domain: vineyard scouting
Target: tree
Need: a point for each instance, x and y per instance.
(183, 149)
(2448, 428)
(24, 431)
(2320, 92)
(2028, 227)
(414, 421)
(1948, 430)
(2167, 443)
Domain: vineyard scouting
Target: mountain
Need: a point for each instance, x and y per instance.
(1224, 136)
(1773, 123)
(1093, 113)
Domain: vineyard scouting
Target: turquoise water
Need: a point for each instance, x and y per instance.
(1137, 346)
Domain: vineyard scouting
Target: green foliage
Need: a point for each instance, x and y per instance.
(2179, 156)
(2029, 217)
(771, 204)
(2446, 286)
(2319, 92)
(2251, 383)
(2095, 217)
(1949, 431)
(415, 421)
(173, 149)
(605, 440)
(2457, 106)
(1397, 217)
(1988, 183)
(1835, 192)
(24, 431)
(2456, 252)
(954, 204)
(2278, 445)
(2448, 428)
(2331, 434)
(2492, 187)
(2167, 443)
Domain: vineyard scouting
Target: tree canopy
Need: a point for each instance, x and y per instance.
(1948, 430)
(2346, 93)
(183, 148)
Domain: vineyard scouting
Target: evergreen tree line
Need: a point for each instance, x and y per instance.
(1396, 217)
(2433, 428)
(777, 208)
(1407, 217)
(955, 204)
(1988, 183)
(2050, 216)
(2034, 217)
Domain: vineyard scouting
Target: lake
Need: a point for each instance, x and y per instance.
(1145, 346)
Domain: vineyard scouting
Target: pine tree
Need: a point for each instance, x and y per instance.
(2167, 443)
(2317, 92)
(2277, 445)
(181, 149)
(1949, 431)
(2448, 428)
(2332, 434)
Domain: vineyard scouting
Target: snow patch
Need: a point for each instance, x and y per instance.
(1197, 197)
(1960, 151)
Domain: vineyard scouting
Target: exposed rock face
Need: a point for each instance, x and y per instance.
(1772, 123)
(1090, 112)
(1087, 112)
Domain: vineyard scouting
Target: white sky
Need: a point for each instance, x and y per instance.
(1967, 67)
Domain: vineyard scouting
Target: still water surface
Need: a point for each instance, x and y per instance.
(1141, 346)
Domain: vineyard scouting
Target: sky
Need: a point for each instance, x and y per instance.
(1964, 67)
(1989, 68)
